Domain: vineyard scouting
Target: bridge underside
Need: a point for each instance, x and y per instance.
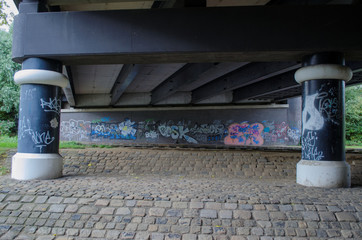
(154, 53)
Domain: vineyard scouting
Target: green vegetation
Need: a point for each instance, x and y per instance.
(9, 91)
(8, 142)
(354, 115)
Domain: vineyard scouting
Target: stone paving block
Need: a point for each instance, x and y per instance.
(142, 236)
(241, 214)
(73, 208)
(98, 233)
(116, 203)
(163, 204)
(88, 210)
(310, 216)
(123, 211)
(102, 202)
(174, 213)
(156, 212)
(57, 208)
(189, 237)
(345, 217)
(327, 216)
(157, 236)
(140, 212)
(260, 215)
(230, 206)
(213, 205)
(225, 214)
(13, 206)
(205, 237)
(207, 213)
(107, 211)
(55, 200)
(26, 199)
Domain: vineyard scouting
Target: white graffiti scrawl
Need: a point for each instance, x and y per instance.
(309, 148)
(54, 105)
(312, 119)
(175, 132)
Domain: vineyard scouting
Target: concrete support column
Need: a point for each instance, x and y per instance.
(39, 119)
(323, 164)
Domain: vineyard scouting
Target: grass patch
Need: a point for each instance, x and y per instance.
(8, 142)
(72, 145)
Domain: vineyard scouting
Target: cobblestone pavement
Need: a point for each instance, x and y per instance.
(123, 203)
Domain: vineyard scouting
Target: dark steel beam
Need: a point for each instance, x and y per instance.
(69, 90)
(125, 77)
(237, 34)
(193, 74)
(187, 74)
(272, 85)
(249, 74)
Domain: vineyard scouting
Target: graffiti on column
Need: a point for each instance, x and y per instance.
(328, 104)
(309, 148)
(114, 130)
(53, 105)
(40, 139)
(75, 130)
(312, 118)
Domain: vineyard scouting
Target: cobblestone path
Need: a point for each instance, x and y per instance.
(151, 199)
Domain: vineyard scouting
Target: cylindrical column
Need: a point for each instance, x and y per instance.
(323, 77)
(39, 119)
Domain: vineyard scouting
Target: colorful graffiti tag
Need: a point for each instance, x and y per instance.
(245, 134)
(117, 130)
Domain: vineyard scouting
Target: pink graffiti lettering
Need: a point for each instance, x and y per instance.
(245, 134)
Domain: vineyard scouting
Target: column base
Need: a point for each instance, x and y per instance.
(326, 174)
(30, 166)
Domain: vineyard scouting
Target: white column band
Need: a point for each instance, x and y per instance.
(323, 71)
(39, 76)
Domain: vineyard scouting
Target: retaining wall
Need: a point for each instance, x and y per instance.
(254, 126)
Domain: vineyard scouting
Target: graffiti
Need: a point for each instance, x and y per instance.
(54, 123)
(328, 105)
(40, 139)
(54, 105)
(215, 138)
(103, 119)
(294, 134)
(29, 93)
(151, 134)
(75, 130)
(280, 133)
(175, 132)
(216, 128)
(312, 119)
(309, 150)
(121, 130)
(184, 131)
(245, 134)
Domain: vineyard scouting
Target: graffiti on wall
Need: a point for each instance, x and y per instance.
(258, 134)
(114, 130)
(150, 130)
(245, 134)
(75, 130)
